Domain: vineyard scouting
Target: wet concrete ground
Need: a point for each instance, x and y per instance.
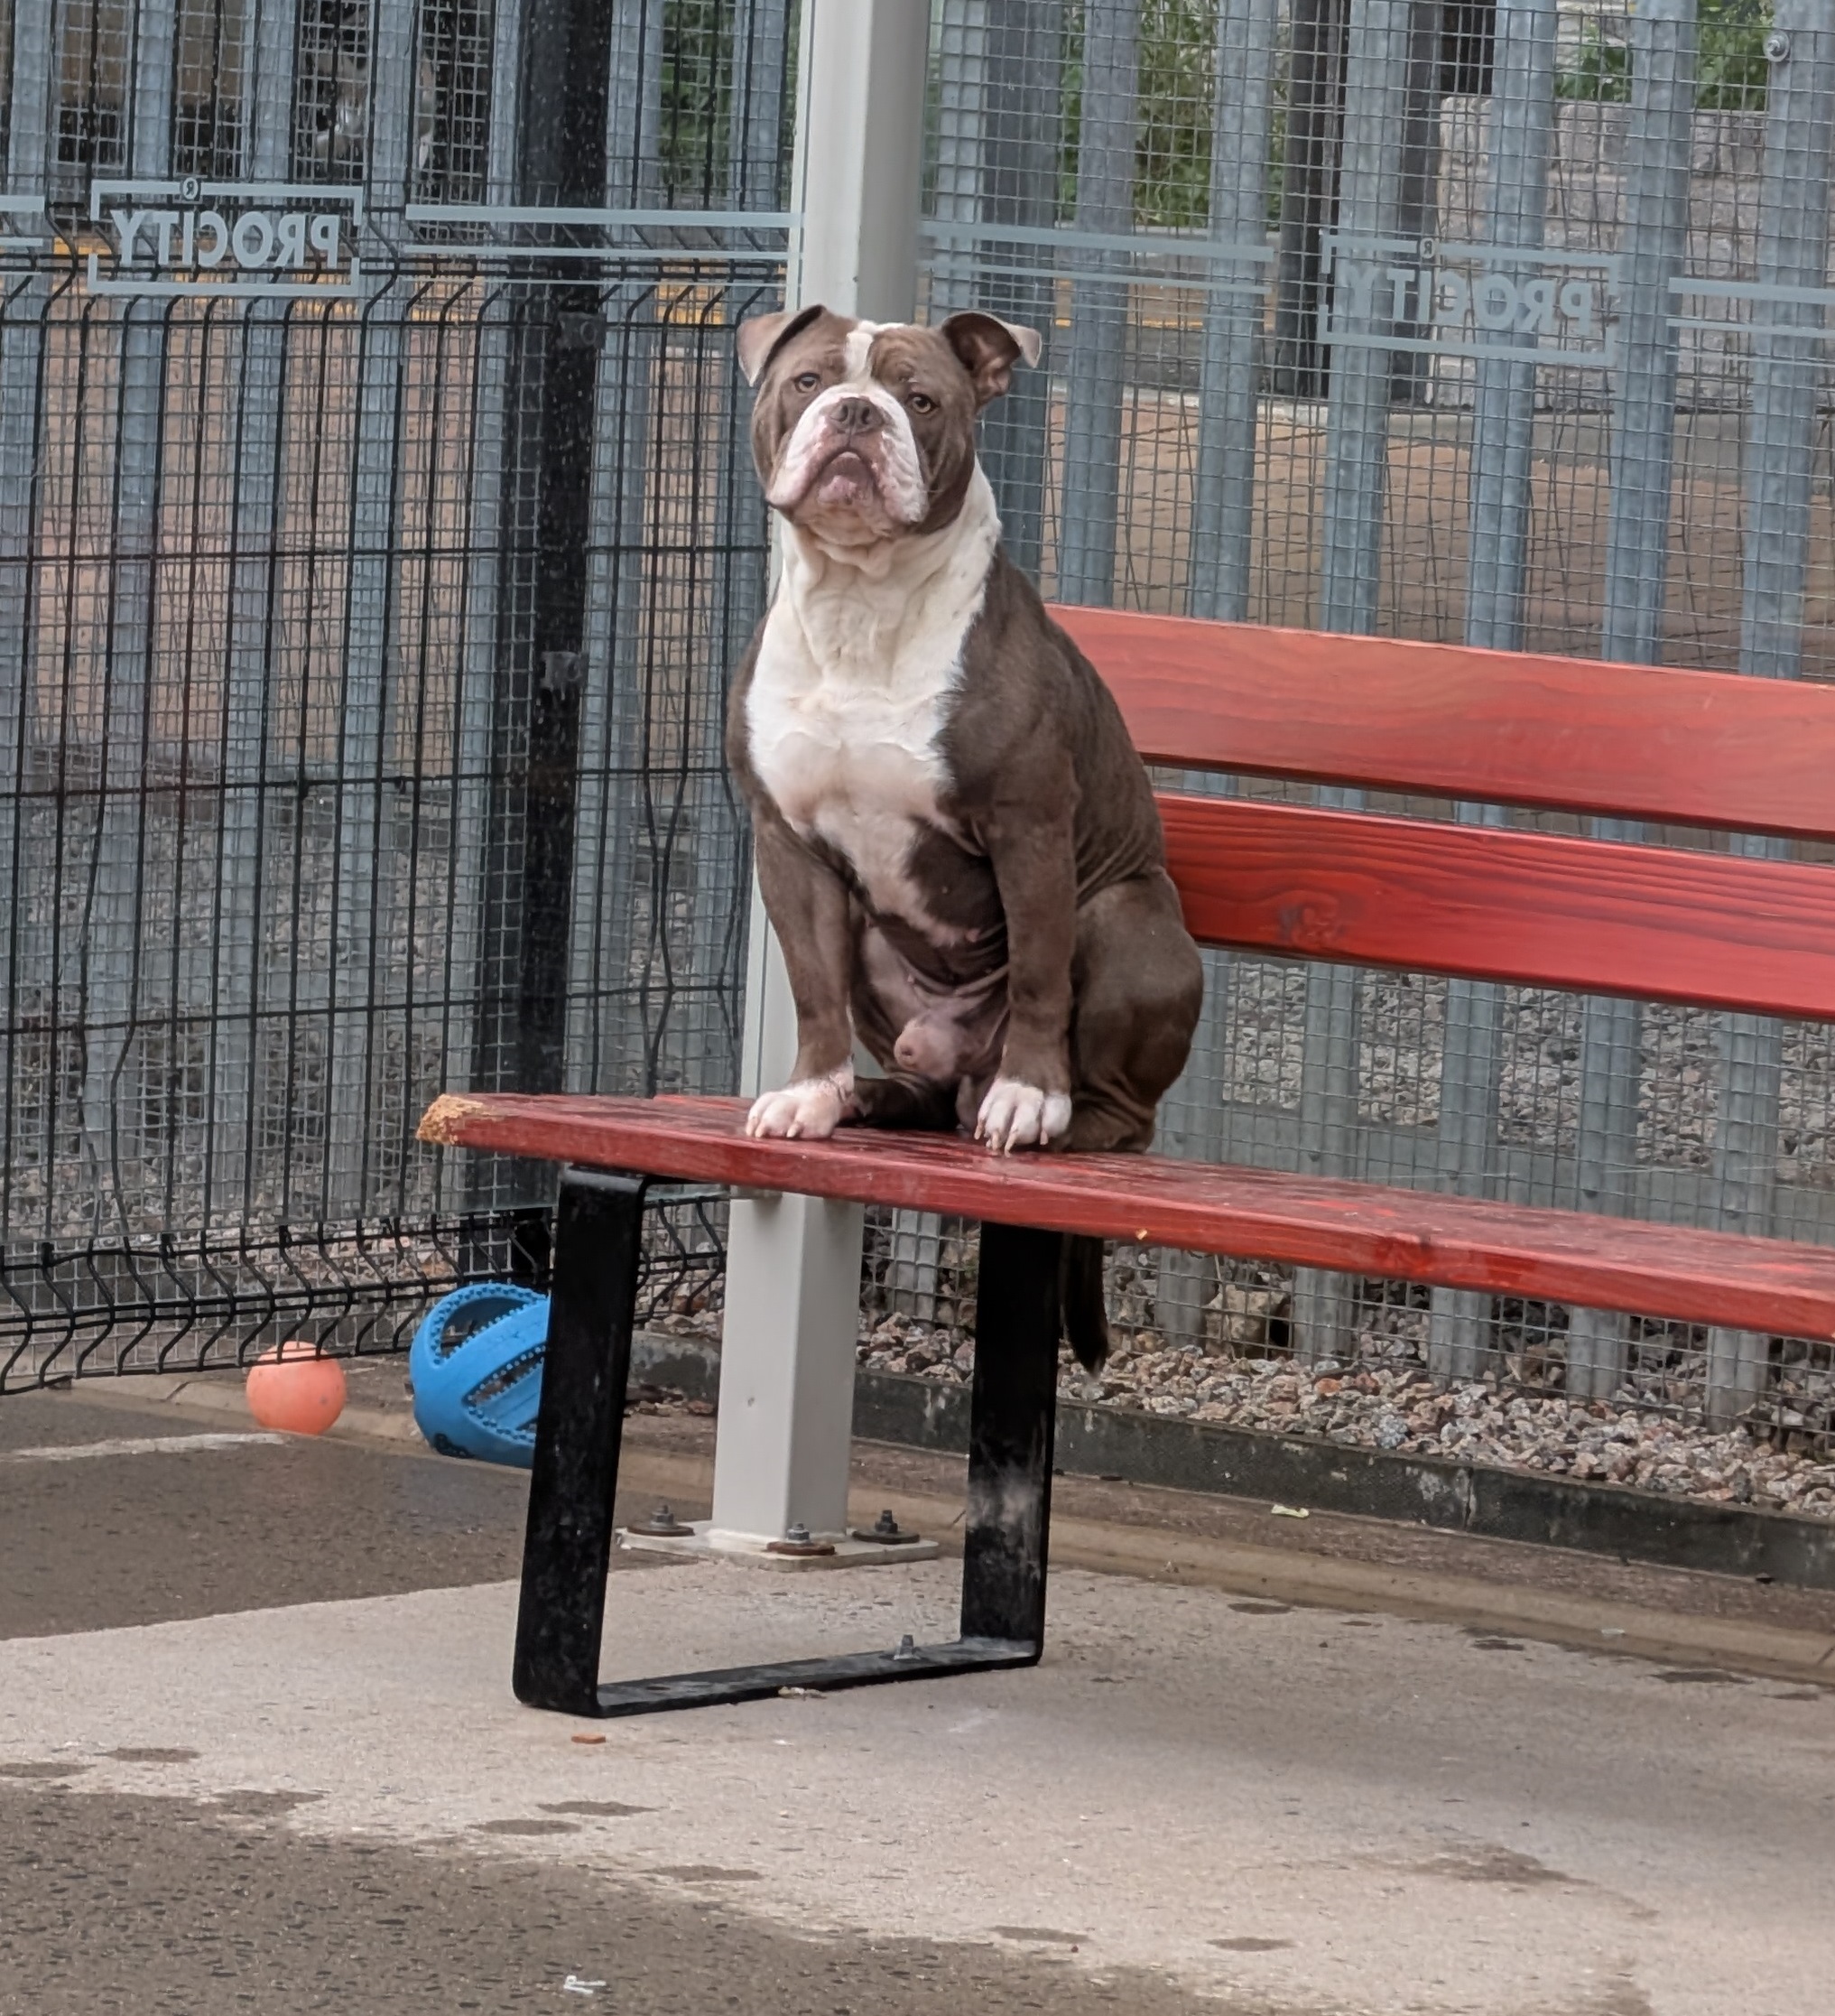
(111, 1901)
(155, 1906)
(111, 1537)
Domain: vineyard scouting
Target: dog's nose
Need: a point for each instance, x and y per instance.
(856, 416)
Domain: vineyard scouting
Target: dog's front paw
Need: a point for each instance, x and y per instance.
(809, 1110)
(1015, 1115)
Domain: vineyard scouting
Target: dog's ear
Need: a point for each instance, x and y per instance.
(761, 338)
(989, 349)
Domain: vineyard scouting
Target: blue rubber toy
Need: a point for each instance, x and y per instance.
(476, 1368)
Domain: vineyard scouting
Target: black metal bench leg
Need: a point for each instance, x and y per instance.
(568, 1545)
(1012, 1413)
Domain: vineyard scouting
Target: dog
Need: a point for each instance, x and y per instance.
(955, 839)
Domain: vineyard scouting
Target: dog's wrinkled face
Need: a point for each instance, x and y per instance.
(864, 432)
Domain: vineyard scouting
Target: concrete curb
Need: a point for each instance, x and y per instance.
(1329, 1477)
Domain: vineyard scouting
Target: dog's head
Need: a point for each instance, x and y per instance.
(864, 432)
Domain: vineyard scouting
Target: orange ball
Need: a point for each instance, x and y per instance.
(291, 1388)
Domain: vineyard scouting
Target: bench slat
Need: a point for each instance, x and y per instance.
(1538, 909)
(1574, 734)
(1608, 1263)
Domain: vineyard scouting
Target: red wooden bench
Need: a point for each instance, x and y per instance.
(1725, 930)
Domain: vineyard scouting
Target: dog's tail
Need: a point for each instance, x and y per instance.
(1079, 1287)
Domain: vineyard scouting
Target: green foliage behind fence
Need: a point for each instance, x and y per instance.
(1730, 67)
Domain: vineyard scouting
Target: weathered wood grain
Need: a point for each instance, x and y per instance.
(1539, 909)
(1635, 741)
(1597, 1262)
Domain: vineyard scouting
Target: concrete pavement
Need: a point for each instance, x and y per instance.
(1199, 1799)
(148, 1906)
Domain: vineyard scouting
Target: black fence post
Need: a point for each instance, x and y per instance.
(550, 411)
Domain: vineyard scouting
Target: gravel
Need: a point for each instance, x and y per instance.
(1397, 1408)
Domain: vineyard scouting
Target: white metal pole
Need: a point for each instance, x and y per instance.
(793, 1263)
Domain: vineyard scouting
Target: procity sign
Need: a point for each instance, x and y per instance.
(196, 237)
(1533, 303)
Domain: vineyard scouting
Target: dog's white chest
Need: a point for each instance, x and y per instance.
(851, 759)
(850, 698)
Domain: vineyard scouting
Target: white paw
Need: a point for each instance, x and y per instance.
(1015, 1115)
(809, 1110)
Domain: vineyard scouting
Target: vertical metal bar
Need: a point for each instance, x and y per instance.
(1417, 196)
(1090, 508)
(465, 955)
(566, 87)
(1657, 147)
(568, 93)
(960, 149)
(110, 940)
(1792, 252)
(1378, 64)
(1312, 126)
(586, 1368)
(1787, 369)
(916, 1260)
(369, 613)
(506, 115)
(1221, 548)
(793, 1265)
(609, 955)
(1013, 1416)
(231, 1177)
(735, 597)
(1324, 1303)
(1520, 131)
(1223, 497)
(1358, 425)
(24, 309)
(1021, 99)
(760, 51)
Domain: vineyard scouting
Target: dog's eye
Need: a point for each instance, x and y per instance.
(807, 381)
(920, 402)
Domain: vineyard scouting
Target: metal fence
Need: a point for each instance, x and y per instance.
(374, 526)
(1503, 323)
(372, 552)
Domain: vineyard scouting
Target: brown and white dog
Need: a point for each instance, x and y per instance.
(956, 840)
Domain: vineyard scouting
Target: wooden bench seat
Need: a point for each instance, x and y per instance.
(1735, 927)
(1371, 1229)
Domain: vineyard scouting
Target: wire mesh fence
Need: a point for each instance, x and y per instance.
(372, 542)
(330, 780)
(1502, 324)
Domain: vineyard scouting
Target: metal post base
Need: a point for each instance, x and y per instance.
(702, 1541)
(567, 1552)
